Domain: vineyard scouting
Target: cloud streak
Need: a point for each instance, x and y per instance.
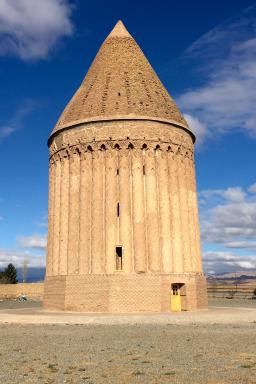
(17, 121)
(228, 216)
(35, 241)
(17, 259)
(219, 262)
(227, 59)
(31, 29)
(228, 224)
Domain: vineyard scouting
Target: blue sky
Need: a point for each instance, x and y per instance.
(205, 54)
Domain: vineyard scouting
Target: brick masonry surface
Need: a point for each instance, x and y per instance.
(123, 293)
(111, 293)
(31, 290)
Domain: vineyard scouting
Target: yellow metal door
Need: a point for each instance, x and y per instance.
(175, 298)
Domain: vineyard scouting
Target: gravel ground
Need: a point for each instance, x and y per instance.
(208, 354)
(183, 353)
(13, 304)
(232, 303)
(218, 302)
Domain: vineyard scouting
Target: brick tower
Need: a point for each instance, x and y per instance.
(123, 230)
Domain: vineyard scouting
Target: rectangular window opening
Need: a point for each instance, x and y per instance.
(119, 258)
(118, 209)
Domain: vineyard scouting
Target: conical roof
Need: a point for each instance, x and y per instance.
(120, 84)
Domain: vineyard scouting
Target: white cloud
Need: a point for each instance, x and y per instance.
(17, 259)
(43, 221)
(17, 120)
(30, 29)
(241, 244)
(228, 216)
(234, 194)
(6, 131)
(198, 128)
(226, 261)
(228, 229)
(227, 56)
(35, 241)
(252, 188)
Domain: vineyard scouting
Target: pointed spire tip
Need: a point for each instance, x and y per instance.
(119, 30)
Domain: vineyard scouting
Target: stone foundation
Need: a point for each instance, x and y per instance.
(123, 292)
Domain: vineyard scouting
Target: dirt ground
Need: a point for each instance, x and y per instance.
(191, 353)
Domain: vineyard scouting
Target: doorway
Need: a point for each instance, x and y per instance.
(175, 298)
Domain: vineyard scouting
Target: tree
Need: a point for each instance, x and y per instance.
(10, 273)
(4, 279)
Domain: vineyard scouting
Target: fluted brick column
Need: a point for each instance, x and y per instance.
(74, 212)
(50, 237)
(85, 213)
(164, 210)
(139, 239)
(175, 210)
(185, 223)
(190, 213)
(98, 212)
(152, 212)
(125, 190)
(56, 229)
(64, 213)
(194, 203)
(111, 202)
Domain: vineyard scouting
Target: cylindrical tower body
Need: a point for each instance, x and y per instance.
(123, 219)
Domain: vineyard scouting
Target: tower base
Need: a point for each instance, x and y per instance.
(125, 293)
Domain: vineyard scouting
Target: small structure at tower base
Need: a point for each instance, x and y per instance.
(123, 233)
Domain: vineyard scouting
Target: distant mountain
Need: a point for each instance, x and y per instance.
(33, 275)
(244, 278)
(236, 275)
